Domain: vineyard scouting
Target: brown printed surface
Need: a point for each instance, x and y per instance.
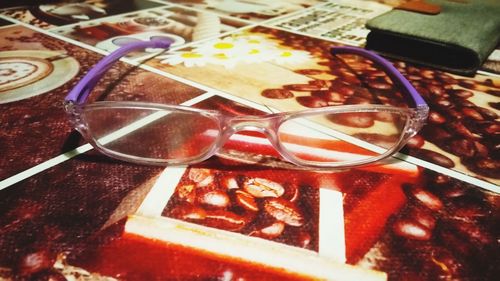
(33, 112)
(340, 21)
(181, 25)
(50, 15)
(461, 128)
(4, 22)
(267, 203)
(92, 217)
(57, 210)
(250, 10)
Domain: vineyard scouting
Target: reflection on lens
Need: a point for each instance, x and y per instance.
(159, 37)
(124, 40)
(342, 137)
(174, 136)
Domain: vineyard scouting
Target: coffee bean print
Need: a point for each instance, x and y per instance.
(277, 94)
(284, 211)
(260, 188)
(434, 157)
(271, 231)
(246, 200)
(411, 230)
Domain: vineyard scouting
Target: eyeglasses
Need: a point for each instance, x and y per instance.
(328, 137)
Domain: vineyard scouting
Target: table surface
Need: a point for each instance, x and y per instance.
(69, 212)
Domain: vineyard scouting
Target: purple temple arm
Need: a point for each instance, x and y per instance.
(393, 73)
(81, 91)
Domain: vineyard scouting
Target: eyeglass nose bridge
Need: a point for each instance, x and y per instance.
(267, 125)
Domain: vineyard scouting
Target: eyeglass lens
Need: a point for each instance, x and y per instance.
(178, 137)
(351, 136)
(152, 133)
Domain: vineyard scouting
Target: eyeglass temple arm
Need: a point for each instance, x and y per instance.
(393, 73)
(81, 91)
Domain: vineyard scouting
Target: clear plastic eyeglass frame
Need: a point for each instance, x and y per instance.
(225, 126)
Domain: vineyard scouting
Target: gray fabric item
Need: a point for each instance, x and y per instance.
(458, 39)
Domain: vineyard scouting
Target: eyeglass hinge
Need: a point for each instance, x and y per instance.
(420, 116)
(72, 111)
(69, 106)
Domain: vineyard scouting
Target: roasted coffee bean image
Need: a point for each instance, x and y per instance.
(436, 118)
(481, 149)
(427, 74)
(224, 220)
(324, 84)
(461, 130)
(357, 120)
(412, 77)
(464, 103)
(342, 88)
(229, 183)
(487, 114)
(186, 192)
(213, 199)
(454, 114)
(473, 232)
(379, 84)
(463, 148)
(378, 139)
(329, 96)
(309, 71)
(277, 94)
(464, 94)
(346, 75)
(434, 157)
(416, 141)
(270, 231)
(35, 262)
(453, 191)
(437, 91)
(358, 100)
(202, 177)
(492, 128)
(303, 87)
(261, 188)
(188, 213)
(443, 103)
(284, 211)
(243, 203)
(246, 200)
(311, 101)
(484, 165)
(292, 193)
(304, 239)
(472, 113)
(440, 179)
(435, 134)
(423, 217)
(411, 230)
(425, 198)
